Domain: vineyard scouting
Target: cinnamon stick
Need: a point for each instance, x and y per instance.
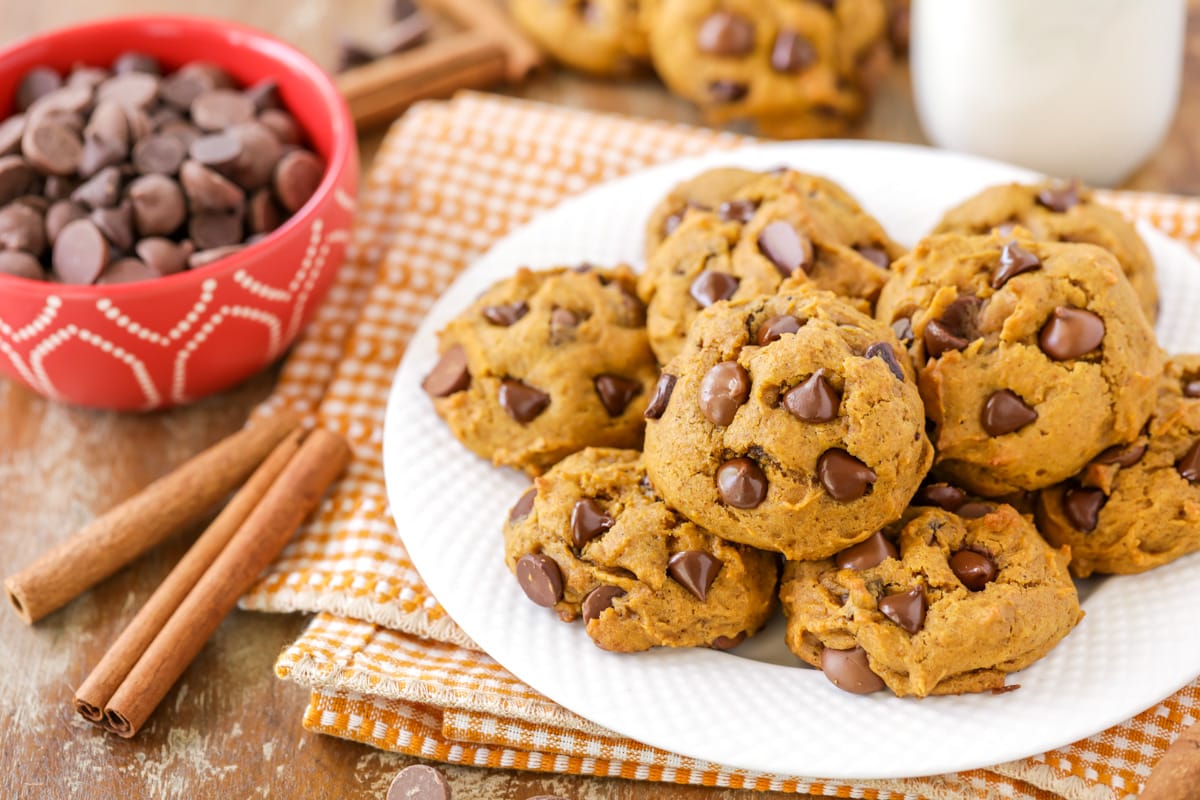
(128, 530)
(293, 495)
(114, 667)
(521, 55)
(378, 91)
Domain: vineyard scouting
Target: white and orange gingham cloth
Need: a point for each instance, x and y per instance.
(385, 664)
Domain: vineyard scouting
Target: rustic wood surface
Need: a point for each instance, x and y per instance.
(229, 728)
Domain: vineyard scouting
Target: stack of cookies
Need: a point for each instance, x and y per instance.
(798, 68)
(911, 452)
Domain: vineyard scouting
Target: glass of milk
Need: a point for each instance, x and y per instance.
(1080, 88)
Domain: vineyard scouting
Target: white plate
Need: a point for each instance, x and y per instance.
(756, 708)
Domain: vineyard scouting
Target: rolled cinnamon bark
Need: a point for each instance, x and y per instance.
(128, 530)
(521, 56)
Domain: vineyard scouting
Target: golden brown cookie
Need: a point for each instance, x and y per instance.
(592, 539)
(1032, 357)
(800, 68)
(1054, 211)
(705, 192)
(788, 422)
(947, 606)
(1136, 506)
(602, 37)
(783, 229)
(544, 364)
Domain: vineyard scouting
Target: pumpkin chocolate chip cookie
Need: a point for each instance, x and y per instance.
(1055, 211)
(932, 609)
(1137, 505)
(593, 539)
(602, 37)
(544, 364)
(1032, 357)
(789, 423)
(705, 192)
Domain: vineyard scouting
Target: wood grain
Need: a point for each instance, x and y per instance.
(230, 728)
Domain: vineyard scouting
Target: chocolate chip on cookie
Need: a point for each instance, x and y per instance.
(1071, 333)
(814, 400)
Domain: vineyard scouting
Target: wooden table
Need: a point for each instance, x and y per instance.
(230, 728)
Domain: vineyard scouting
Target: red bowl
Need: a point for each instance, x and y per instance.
(170, 341)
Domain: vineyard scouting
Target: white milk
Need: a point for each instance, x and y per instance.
(1083, 88)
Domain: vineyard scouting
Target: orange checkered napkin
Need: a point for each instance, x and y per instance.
(385, 664)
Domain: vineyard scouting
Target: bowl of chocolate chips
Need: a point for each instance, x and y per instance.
(176, 196)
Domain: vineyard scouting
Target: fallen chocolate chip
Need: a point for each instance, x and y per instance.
(792, 52)
(741, 483)
(723, 91)
(136, 62)
(1005, 412)
(163, 255)
(726, 34)
(903, 330)
(871, 552)
(662, 396)
(1070, 333)
(1014, 260)
(80, 253)
(884, 352)
(101, 190)
(22, 228)
(776, 327)
(942, 495)
(939, 339)
(116, 224)
(159, 208)
(814, 400)
(52, 146)
(523, 506)
(1191, 388)
(737, 210)
(217, 109)
(723, 390)
(419, 782)
(975, 510)
(616, 393)
(906, 609)
(695, 570)
(875, 255)
(297, 176)
(540, 578)
(599, 600)
(21, 265)
(450, 375)
(850, 670)
(1122, 455)
(522, 402)
(974, 570)
(588, 520)
(844, 476)
(1060, 196)
(505, 314)
(711, 286)
(126, 270)
(36, 84)
(728, 642)
(1189, 465)
(786, 248)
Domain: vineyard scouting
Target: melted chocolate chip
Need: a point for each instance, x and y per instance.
(875, 255)
(1014, 260)
(723, 390)
(711, 286)
(662, 396)
(722, 91)
(507, 313)
(906, 609)
(850, 670)
(616, 393)
(1122, 455)
(588, 520)
(844, 476)
(1191, 388)
(450, 375)
(815, 400)
(903, 330)
(975, 510)
(942, 495)
(695, 570)
(1189, 465)
(522, 402)
(522, 507)
(737, 210)
(1082, 507)
(884, 352)
(726, 34)
(974, 570)
(1060, 196)
(871, 552)
(600, 600)
(1071, 333)
(956, 327)
(1005, 412)
(741, 483)
(792, 52)
(540, 578)
(728, 642)
(786, 248)
(777, 326)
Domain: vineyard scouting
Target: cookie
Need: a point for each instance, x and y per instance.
(801, 69)
(1032, 357)
(1136, 506)
(783, 229)
(593, 539)
(789, 423)
(601, 37)
(946, 606)
(705, 192)
(1055, 211)
(544, 364)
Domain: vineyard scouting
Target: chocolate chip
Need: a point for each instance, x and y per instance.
(11, 131)
(671, 223)
(737, 210)
(844, 476)
(205, 257)
(955, 328)
(723, 390)
(939, 339)
(540, 578)
(116, 224)
(260, 154)
(1060, 196)
(59, 215)
(1189, 465)
(523, 506)
(662, 396)
(419, 782)
(126, 270)
(741, 483)
(522, 402)
(562, 324)
(711, 286)
(21, 265)
(217, 109)
(131, 90)
(723, 91)
(1191, 388)
(814, 400)
(792, 52)
(282, 124)
(1005, 412)
(297, 176)
(903, 330)
(99, 191)
(884, 352)
(728, 642)
(52, 146)
(726, 34)
(786, 248)
(263, 214)
(695, 570)
(942, 495)
(776, 327)
(212, 229)
(974, 570)
(220, 150)
(871, 552)
(159, 208)
(265, 95)
(36, 84)
(850, 670)
(17, 178)
(1122, 455)
(975, 510)
(600, 600)
(505, 314)
(875, 255)
(1014, 260)
(98, 154)
(616, 393)
(163, 255)
(1070, 333)
(588, 520)
(207, 190)
(136, 62)
(22, 228)
(906, 609)
(80, 253)
(450, 375)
